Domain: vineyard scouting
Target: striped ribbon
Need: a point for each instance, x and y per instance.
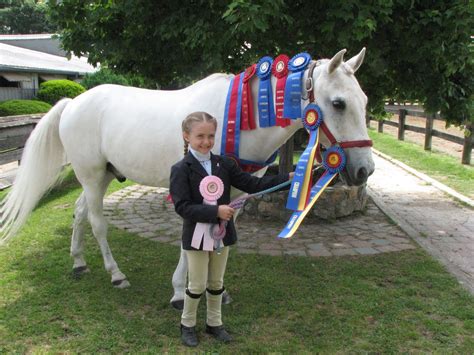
(298, 216)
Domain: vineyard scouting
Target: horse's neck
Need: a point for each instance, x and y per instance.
(258, 145)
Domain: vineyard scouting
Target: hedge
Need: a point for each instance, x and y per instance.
(23, 107)
(54, 90)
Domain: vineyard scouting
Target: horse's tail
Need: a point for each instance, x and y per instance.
(41, 163)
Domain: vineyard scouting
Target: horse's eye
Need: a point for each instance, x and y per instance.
(339, 104)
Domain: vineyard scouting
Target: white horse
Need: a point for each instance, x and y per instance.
(137, 132)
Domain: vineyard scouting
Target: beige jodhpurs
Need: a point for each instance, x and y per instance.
(205, 270)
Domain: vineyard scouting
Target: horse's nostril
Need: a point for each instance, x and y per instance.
(362, 174)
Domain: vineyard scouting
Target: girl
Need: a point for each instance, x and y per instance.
(206, 268)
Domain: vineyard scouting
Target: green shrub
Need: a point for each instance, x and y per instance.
(54, 90)
(107, 76)
(103, 76)
(23, 107)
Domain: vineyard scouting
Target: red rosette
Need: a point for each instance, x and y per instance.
(280, 66)
(250, 72)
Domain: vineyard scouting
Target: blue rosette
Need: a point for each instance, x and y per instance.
(266, 112)
(264, 67)
(299, 62)
(334, 159)
(312, 117)
(297, 65)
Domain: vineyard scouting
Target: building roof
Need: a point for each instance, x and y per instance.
(18, 59)
(45, 42)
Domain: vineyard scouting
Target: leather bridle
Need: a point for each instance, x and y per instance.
(310, 92)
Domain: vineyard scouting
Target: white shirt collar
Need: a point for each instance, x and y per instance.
(199, 156)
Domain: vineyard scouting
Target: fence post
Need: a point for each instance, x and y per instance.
(286, 157)
(402, 114)
(429, 130)
(380, 126)
(468, 144)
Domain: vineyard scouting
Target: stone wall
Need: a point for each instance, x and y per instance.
(336, 201)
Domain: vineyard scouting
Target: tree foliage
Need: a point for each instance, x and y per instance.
(417, 49)
(107, 76)
(24, 17)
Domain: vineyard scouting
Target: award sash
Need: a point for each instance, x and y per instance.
(280, 71)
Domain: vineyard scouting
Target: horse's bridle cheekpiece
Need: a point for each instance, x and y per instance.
(289, 74)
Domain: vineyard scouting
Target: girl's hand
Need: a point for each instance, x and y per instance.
(225, 212)
(291, 175)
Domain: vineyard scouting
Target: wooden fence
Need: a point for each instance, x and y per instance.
(467, 142)
(14, 131)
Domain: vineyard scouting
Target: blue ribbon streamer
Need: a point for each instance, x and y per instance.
(300, 172)
(266, 112)
(298, 216)
(292, 105)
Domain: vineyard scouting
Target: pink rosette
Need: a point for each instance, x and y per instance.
(211, 189)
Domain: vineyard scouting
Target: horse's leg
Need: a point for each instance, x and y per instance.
(94, 192)
(179, 281)
(77, 240)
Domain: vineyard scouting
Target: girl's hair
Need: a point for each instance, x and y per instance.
(192, 118)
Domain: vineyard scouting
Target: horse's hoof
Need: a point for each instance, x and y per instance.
(79, 271)
(178, 304)
(121, 283)
(226, 299)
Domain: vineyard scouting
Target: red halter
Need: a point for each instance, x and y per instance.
(324, 127)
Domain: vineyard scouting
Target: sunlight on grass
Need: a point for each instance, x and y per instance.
(390, 303)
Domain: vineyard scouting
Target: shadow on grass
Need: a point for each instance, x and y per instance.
(394, 302)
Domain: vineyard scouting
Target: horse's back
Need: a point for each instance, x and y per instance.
(137, 130)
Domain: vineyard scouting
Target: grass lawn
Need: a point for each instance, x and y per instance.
(439, 166)
(395, 302)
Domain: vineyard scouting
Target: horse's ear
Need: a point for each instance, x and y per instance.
(336, 61)
(356, 61)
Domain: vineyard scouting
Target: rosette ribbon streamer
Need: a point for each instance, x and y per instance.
(233, 107)
(211, 189)
(247, 121)
(299, 190)
(297, 65)
(333, 161)
(266, 112)
(280, 71)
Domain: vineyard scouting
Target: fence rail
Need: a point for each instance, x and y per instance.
(14, 131)
(467, 142)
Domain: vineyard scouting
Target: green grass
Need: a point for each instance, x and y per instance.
(439, 166)
(390, 303)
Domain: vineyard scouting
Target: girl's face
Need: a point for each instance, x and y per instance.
(202, 135)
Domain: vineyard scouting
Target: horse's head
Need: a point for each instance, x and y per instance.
(343, 102)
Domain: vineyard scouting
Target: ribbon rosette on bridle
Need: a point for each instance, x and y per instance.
(333, 162)
(301, 183)
(211, 189)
